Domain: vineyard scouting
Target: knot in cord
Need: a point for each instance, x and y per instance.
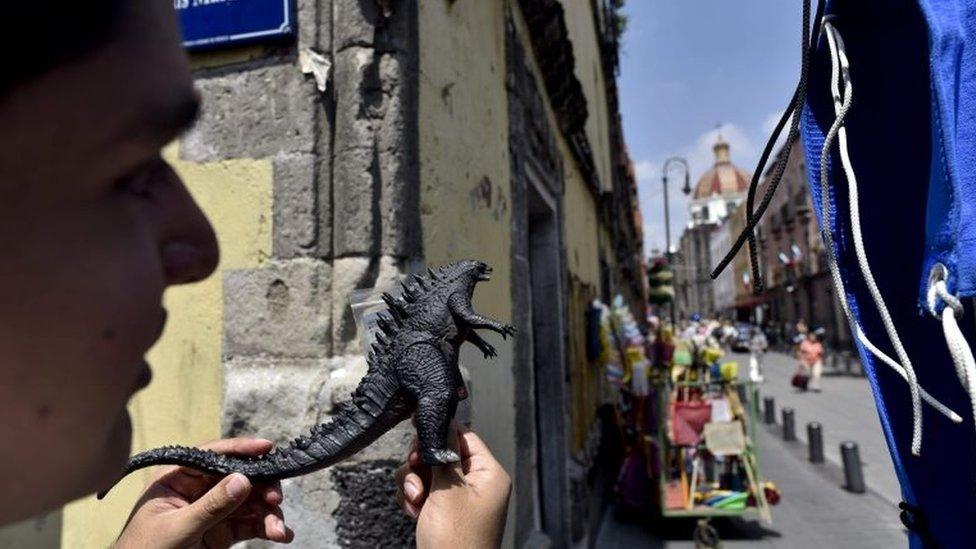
(916, 521)
(938, 290)
(962, 354)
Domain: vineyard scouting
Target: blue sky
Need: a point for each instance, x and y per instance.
(688, 66)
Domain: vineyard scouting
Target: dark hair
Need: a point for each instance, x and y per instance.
(60, 31)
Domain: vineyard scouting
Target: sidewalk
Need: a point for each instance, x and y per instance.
(846, 410)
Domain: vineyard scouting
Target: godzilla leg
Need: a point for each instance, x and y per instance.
(481, 344)
(433, 381)
(435, 409)
(460, 306)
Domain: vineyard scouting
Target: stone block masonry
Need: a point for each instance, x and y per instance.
(282, 309)
(345, 216)
(295, 200)
(256, 112)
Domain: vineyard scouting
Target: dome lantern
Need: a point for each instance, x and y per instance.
(724, 178)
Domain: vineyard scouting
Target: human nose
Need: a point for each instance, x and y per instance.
(187, 242)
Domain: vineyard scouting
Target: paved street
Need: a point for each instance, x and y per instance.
(815, 511)
(846, 410)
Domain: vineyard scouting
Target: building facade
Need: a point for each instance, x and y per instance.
(793, 259)
(386, 137)
(723, 287)
(717, 194)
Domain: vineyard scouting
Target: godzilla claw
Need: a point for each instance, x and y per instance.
(489, 351)
(508, 330)
(440, 456)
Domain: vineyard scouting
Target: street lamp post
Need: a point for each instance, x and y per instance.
(674, 160)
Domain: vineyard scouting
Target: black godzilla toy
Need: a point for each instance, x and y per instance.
(413, 369)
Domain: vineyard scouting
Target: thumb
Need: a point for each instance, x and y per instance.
(226, 496)
(451, 474)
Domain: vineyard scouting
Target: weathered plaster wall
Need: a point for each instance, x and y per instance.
(316, 193)
(464, 199)
(313, 194)
(589, 71)
(581, 224)
(583, 236)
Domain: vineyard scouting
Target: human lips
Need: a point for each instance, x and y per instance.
(144, 374)
(143, 377)
(163, 315)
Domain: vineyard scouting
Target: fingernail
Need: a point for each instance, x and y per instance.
(411, 489)
(237, 486)
(280, 527)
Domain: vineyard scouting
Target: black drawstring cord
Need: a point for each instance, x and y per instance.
(795, 106)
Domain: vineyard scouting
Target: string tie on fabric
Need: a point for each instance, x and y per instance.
(842, 99)
(952, 310)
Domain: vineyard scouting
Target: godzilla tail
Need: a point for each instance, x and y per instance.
(378, 404)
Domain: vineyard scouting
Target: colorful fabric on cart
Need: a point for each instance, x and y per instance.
(729, 371)
(682, 355)
(731, 501)
(725, 438)
(674, 495)
(688, 420)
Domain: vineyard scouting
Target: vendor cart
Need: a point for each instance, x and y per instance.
(707, 463)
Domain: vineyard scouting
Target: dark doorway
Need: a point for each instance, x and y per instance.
(548, 361)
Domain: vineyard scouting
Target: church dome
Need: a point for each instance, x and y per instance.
(724, 177)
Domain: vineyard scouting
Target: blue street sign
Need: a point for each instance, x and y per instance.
(212, 23)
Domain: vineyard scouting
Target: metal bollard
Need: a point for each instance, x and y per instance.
(853, 474)
(769, 407)
(789, 425)
(755, 401)
(848, 364)
(815, 440)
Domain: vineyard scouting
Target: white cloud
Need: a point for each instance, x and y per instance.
(645, 170)
(769, 124)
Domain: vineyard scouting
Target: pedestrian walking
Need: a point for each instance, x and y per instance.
(757, 350)
(800, 331)
(811, 357)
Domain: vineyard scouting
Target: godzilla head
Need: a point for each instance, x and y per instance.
(467, 273)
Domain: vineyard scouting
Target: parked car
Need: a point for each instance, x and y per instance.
(740, 343)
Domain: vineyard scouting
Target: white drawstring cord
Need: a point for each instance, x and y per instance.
(840, 68)
(962, 355)
(839, 56)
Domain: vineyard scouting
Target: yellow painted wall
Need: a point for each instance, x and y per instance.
(183, 404)
(464, 174)
(589, 71)
(465, 180)
(581, 226)
(580, 223)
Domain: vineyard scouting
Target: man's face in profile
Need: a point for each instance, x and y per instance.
(94, 226)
